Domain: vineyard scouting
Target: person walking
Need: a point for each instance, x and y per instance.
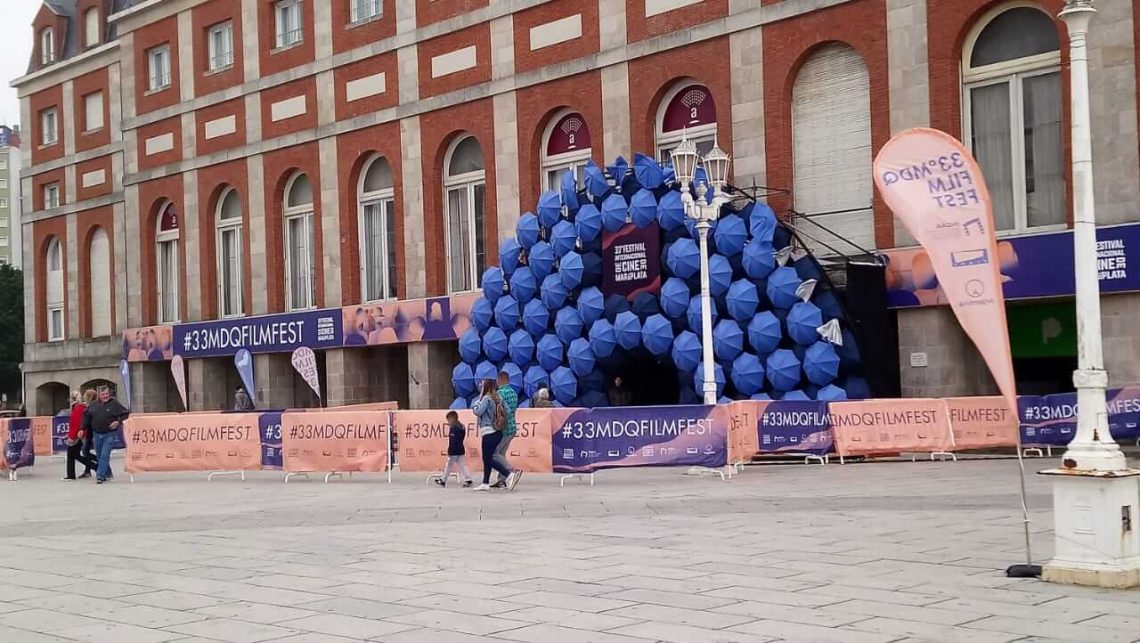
(76, 437)
(103, 418)
(510, 406)
(456, 453)
(241, 400)
(491, 420)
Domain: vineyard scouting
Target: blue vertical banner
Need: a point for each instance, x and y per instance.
(19, 449)
(125, 376)
(60, 425)
(243, 361)
(269, 425)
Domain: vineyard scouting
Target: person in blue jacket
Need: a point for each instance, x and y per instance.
(491, 419)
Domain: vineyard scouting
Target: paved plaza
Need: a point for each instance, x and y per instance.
(861, 553)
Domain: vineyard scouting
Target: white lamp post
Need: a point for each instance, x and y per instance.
(1095, 497)
(716, 162)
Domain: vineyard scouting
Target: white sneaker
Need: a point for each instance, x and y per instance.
(482, 487)
(516, 475)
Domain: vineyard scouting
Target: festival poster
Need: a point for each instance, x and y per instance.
(16, 440)
(631, 260)
(192, 442)
(981, 423)
(398, 322)
(1047, 420)
(335, 441)
(269, 428)
(59, 431)
(588, 440)
(795, 427)
(422, 439)
(870, 427)
(148, 344)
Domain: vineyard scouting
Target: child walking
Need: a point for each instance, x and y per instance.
(455, 451)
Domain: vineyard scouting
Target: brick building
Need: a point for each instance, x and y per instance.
(197, 160)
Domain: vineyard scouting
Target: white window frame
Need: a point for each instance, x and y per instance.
(56, 332)
(92, 28)
(703, 136)
(385, 200)
(220, 46)
(1011, 73)
(3, 182)
(226, 227)
(374, 10)
(47, 46)
(158, 68)
(464, 184)
(98, 273)
(51, 195)
(554, 166)
(288, 35)
(4, 204)
(87, 111)
(49, 126)
(303, 212)
(167, 237)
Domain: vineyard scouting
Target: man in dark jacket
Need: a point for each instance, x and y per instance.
(103, 419)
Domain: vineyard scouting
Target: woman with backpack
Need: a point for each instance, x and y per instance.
(491, 418)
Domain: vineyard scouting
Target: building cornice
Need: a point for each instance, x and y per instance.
(66, 70)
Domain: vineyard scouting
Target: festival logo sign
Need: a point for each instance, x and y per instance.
(631, 260)
(192, 442)
(795, 427)
(315, 329)
(603, 438)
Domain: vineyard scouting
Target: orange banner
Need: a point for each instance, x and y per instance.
(192, 442)
(981, 422)
(743, 437)
(890, 426)
(41, 436)
(333, 440)
(371, 406)
(422, 440)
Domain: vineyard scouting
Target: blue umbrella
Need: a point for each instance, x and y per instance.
(549, 208)
(523, 285)
(671, 210)
(674, 297)
(831, 393)
(535, 317)
(759, 259)
(657, 335)
(627, 330)
(515, 376)
(747, 374)
(594, 399)
(796, 396)
(470, 346)
(643, 208)
(553, 292)
(495, 344)
(764, 333)
(568, 325)
(648, 172)
(699, 379)
(782, 284)
(570, 270)
(588, 222)
(482, 313)
(762, 223)
(507, 314)
(783, 370)
(595, 380)
(459, 404)
(619, 169)
(591, 269)
(742, 300)
(687, 351)
(535, 379)
(761, 397)
(803, 320)
(463, 380)
(603, 339)
(493, 283)
(615, 305)
(821, 364)
(644, 305)
(614, 211)
(596, 183)
(591, 305)
(728, 339)
(568, 191)
(521, 347)
(541, 259)
(485, 371)
(720, 275)
(731, 233)
(693, 314)
(509, 252)
(527, 230)
(684, 258)
(548, 352)
(580, 356)
(563, 236)
(563, 384)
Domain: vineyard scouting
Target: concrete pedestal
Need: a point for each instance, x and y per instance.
(1097, 533)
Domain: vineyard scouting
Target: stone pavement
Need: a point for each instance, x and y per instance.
(866, 552)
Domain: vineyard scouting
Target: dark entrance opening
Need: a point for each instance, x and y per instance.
(651, 381)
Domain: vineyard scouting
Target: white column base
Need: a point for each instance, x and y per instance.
(1097, 528)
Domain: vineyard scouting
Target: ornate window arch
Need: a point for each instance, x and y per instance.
(376, 212)
(54, 270)
(566, 145)
(300, 260)
(687, 110)
(230, 253)
(167, 262)
(465, 196)
(99, 276)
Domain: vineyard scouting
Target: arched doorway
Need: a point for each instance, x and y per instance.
(51, 398)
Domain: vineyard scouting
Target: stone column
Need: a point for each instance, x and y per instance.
(274, 381)
(207, 384)
(953, 366)
(429, 374)
(747, 70)
(908, 76)
(615, 82)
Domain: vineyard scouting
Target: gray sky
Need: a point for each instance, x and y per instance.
(16, 36)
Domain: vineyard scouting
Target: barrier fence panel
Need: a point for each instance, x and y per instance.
(41, 435)
(422, 440)
(335, 441)
(872, 427)
(192, 442)
(981, 422)
(795, 428)
(59, 428)
(17, 448)
(743, 438)
(1124, 413)
(269, 427)
(1047, 420)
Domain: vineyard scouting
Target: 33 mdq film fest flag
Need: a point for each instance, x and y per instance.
(935, 187)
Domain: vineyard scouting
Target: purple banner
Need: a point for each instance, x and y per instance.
(1052, 419)
(269, 425)
(631, 260)
(795, 427)
(19, 450)
(284, 333)
(59, 429)
(670, 436)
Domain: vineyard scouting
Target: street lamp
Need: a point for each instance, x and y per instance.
(1095, 498)
(685, 160)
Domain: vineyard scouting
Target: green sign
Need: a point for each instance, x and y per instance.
(1043, 330)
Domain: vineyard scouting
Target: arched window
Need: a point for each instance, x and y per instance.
(55, 320)
(47, 46)
(229, 253)
(566, 146)
(687, 111)
(300, 265)
(166, 257)
(377, 211)
(92, 27)
(99, 276)
(1013, 115)
(831, 150)
(465, 192)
